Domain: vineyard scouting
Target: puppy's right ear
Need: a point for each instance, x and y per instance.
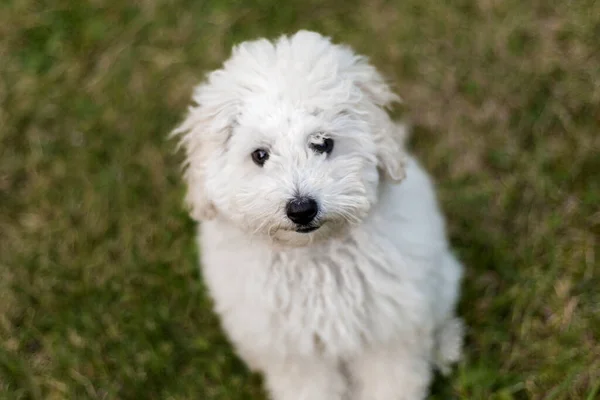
(202, 134)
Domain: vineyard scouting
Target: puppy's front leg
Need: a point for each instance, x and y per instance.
(305, 379)
(395, 372)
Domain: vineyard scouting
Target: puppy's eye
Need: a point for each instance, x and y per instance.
(325, 147)
(259, 156)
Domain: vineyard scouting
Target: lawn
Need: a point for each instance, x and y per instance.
(100, 294)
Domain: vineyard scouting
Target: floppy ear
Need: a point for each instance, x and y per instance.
(391, 154)
(389, 136)
(202, 134)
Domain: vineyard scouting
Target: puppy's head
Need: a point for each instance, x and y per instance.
(290, 139)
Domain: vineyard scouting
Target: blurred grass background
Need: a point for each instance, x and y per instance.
(100, 296)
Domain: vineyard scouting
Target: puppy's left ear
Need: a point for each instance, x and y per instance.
(389, 136)
(391, 154)
(371, 83)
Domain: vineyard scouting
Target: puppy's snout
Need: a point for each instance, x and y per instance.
(302, 210)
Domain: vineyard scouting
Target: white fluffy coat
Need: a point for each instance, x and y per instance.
(363, 307)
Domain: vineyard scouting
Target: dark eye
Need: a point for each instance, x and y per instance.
(325, 147)
(259, 156)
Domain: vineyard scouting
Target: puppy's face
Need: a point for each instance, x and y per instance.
(291, 173)
(287, 148)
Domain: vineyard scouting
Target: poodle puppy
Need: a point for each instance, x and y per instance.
(322, 243)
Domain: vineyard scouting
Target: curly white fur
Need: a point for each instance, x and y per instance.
(363, 307)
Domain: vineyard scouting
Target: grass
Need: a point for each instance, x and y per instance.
(100, 296)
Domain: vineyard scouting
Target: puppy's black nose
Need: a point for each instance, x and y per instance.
(302, 210)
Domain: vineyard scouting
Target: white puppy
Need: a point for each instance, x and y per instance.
(323, 246)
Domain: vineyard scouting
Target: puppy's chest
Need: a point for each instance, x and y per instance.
(318, 292)
(332, 301)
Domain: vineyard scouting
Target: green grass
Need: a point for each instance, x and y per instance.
(100, 296)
